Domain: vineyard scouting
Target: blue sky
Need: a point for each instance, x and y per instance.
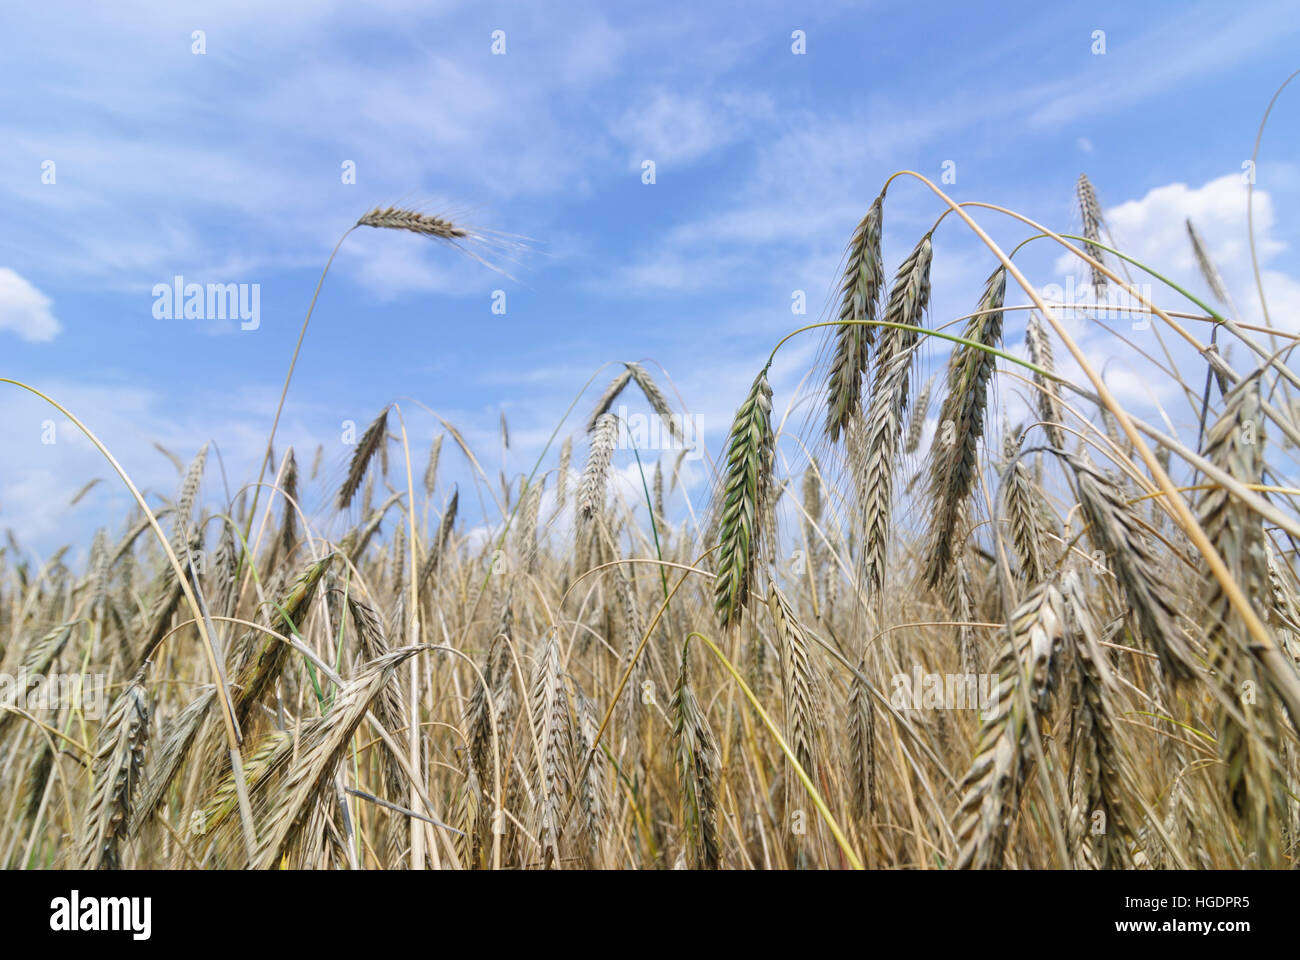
(225, 167)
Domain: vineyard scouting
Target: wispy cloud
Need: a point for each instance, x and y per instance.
(24, 310)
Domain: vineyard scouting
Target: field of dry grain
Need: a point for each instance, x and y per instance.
(1070, 641)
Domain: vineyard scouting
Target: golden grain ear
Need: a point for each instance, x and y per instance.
(118, 770)
(393, 218)
(697, 764)
(372, 442)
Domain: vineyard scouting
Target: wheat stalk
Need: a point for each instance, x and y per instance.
(394, 218)
(876, 448)
(990, 791)
(553, 727)
(591, 488)
(607, 399)
(961, 425)
(322, 744)
(371, 443)
(697, 763)
(1114, 530)
(118, 769)
(799, 685)
(1249, 741)
(740, 515)
(1050, 409)
(916, 418)
(431, 470)
(1090, 212)
(1103, 766)
(859, 301)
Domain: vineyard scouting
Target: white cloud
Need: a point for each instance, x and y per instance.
(1154, 231)
(24, 310)
(133, 206)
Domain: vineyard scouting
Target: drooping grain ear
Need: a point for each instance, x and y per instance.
(607, 399)
(1115, 531)
(743, 500)
(591, 488)
(1250, 741)
(371, 443)
(260, 656)
(178, 736)
(36, 660)
(394, 218)
(118, 771)
(1026, 678)
(955, 450)
(864, 276)
(655, 397)
(873, 448)
(698, 766)
(1025, 510)
(800, 687)
(322, 744)
(1103, 768)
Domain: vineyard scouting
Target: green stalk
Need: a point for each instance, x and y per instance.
(922, 330)
(817, 800)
